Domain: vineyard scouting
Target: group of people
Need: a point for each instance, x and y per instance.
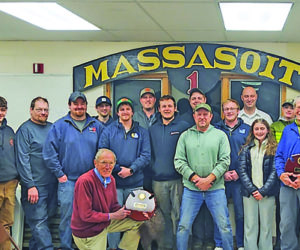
(193, 163)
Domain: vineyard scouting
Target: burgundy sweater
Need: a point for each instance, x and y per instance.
(92, 204)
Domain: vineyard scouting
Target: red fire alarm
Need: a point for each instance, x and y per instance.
(38, 68)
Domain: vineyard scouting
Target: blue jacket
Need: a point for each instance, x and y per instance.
(237, 138)
(163, 140)
(8, 169)
(68, 150)
(30, 139)
(289, 145)
(270, 180)
(132, 150)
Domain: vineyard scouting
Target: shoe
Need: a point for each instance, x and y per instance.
(241, 248)
(218, 248)
(197, 246)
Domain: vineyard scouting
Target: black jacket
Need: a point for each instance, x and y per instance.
(270, 179)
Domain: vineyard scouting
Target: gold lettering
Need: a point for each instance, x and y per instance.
(290, 68)
(177, 57)
(123, 61)
(90, 73)
(255, 63)
(153, 61)
(269, 67)
(204, 61)
(224, 57)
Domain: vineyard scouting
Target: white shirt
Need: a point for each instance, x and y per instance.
(248, 119)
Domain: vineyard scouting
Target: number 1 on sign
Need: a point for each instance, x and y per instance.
(193, 79)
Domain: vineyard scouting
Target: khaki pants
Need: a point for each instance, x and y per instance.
(130, 239)
(7, 206)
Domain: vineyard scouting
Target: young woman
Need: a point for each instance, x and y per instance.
(259, 186)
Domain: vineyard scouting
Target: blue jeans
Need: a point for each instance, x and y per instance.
(122, 193)
(217, 205)
(233, 190)
(37, 215)
(65, 194)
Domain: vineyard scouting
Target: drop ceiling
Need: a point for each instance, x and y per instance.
(149, 21)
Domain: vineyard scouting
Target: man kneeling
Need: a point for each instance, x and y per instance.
(96, 210)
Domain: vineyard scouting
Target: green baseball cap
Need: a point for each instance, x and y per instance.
(203, 106)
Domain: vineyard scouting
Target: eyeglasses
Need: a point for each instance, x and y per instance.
(229, 109)
(41, 110)
(105, 163)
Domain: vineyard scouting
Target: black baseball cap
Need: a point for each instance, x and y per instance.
(103, 99)
(75, 95)
(194, 90)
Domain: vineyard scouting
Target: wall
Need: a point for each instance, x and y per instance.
(16, 59)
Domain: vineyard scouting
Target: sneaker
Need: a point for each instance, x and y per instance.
(218, 248)
(241, 248)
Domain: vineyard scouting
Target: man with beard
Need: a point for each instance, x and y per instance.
(167, 183)
(250, 112)
(147, 116)
(69, 152)
(38, 184)
(130, 142)
(202, 157)
(237, 132)
(103, 108)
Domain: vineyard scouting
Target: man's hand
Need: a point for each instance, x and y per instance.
(296, 183)
(285, 178)
(33, 195)
(120, 214)
(63, 179)
(125, 172)
(234, 175)
(231, 176)
(204, 184)
(257, 195)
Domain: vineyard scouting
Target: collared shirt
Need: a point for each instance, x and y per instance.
(105, 180)
(249, 119)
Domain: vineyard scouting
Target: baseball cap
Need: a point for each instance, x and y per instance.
(192, 91)
(103, 99)
(203, 106)
(147, 90)
(288, 102)
(124, 100)
(75, 95)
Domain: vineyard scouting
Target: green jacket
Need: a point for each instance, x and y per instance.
(277, 128)
(202, 153)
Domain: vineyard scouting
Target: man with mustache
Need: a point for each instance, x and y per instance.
(69, 152)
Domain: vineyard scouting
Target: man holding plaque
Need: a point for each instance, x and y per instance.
(96, 210)
(287, 165)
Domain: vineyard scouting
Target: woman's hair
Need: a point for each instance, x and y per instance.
(272, 145)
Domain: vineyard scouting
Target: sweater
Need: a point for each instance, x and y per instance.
(92, 205)
(202, 153)
(30, 139)
(163, 140)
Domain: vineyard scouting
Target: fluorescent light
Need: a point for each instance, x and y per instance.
(254, 16)
(49, 16)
